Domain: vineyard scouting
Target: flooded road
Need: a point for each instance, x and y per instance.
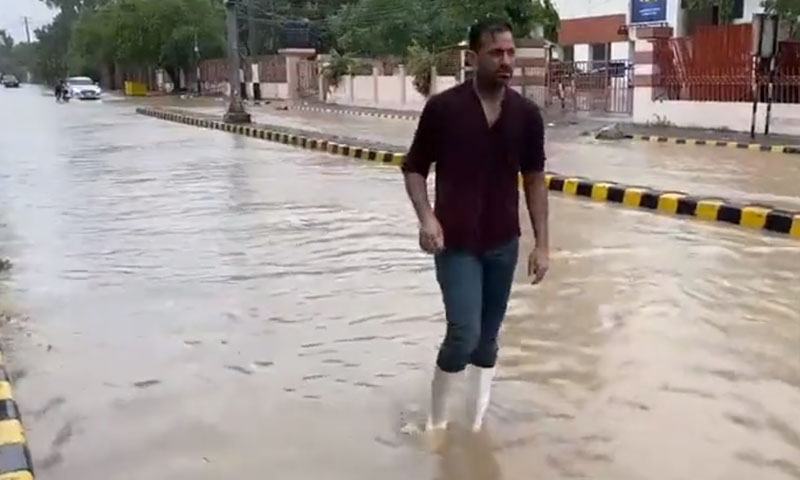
(198, 305)
(737, 175)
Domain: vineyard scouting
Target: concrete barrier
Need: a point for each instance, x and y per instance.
(15, 458)
(757, 217)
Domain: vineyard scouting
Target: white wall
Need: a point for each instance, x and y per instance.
(568, 9)
(390, 92)
(275, 90)
(621, 51)
(725, 115)
(581, 52)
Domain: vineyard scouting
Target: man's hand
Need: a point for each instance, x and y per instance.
(538, 264)
(431, 236)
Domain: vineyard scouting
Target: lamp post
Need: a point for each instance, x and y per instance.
(236, 112)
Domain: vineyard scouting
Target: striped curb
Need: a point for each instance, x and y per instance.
(15, 458)
(301, 141)
(756, 217)
(358, 113)
(715, 143)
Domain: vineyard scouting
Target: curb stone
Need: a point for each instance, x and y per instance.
(756, 217)
(715, 143)
(361, 153)
(15, 457)
(358, 113)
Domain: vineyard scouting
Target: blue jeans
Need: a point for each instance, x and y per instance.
(475, 289)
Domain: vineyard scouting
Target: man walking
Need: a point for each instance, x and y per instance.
(481, 135)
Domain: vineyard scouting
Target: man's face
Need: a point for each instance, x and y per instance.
(495, 58)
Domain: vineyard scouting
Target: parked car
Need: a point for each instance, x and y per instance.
(10, 81)
(83, 88)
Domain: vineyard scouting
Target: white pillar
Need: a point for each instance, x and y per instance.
(401, 70)
(375, 85)
(322, 87)
(351, 88)
(434, 77)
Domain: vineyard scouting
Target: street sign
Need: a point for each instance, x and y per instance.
(648, 11)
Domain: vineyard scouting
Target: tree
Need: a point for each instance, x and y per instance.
(265, 22)
(387, 27)
(52, 48)
(786, 9)
(546, 16)
(7, 64)
(149, 33)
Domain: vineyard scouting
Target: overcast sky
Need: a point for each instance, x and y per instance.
(13, 11)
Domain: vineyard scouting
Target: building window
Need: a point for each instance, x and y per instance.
(599, 52)
(738, 9)
(569, 53)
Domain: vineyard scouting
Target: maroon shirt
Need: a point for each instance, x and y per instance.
(477, 167)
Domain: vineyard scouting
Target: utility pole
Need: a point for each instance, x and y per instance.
(251, 29)
(197, 65)
(27, 28)
(236, 112)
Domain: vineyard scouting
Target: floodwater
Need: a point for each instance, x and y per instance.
(733, 174)
(197, 305)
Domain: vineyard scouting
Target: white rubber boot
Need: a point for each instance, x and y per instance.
(479, 388)
(441, 386)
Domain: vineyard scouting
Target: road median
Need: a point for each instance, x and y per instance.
(762, 218)
(15, 458)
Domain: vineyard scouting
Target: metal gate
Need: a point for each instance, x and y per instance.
(605, 86)
(307, 78)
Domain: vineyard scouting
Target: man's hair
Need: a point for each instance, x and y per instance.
(492, 26)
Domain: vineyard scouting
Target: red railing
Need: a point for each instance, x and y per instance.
(715, 65)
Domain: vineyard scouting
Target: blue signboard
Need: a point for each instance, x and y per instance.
(648, 11)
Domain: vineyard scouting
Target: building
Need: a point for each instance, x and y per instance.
(604, 30)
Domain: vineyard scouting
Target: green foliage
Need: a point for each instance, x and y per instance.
(725, 8)
(337, 67)
(388, 27)
(420, 63)
(786, 9)
(150, 33)
(52, 48)
(546, 16)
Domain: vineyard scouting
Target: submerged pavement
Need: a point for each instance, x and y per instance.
(197, 305)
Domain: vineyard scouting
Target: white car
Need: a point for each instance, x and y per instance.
(83, 88)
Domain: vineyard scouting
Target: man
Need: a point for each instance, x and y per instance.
(481, 135)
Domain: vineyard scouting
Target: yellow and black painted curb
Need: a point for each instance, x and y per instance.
(301, 141)
(758, 217)
(358, 113)
(716, 143)
(15, 458)
(636, 137)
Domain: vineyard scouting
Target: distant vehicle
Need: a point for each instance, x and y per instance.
(83, 88)
(10, 81)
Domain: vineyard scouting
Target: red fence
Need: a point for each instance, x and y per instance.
(715, 65)
(271, 68)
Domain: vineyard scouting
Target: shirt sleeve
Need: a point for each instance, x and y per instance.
(423, 149)
(534, 157)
